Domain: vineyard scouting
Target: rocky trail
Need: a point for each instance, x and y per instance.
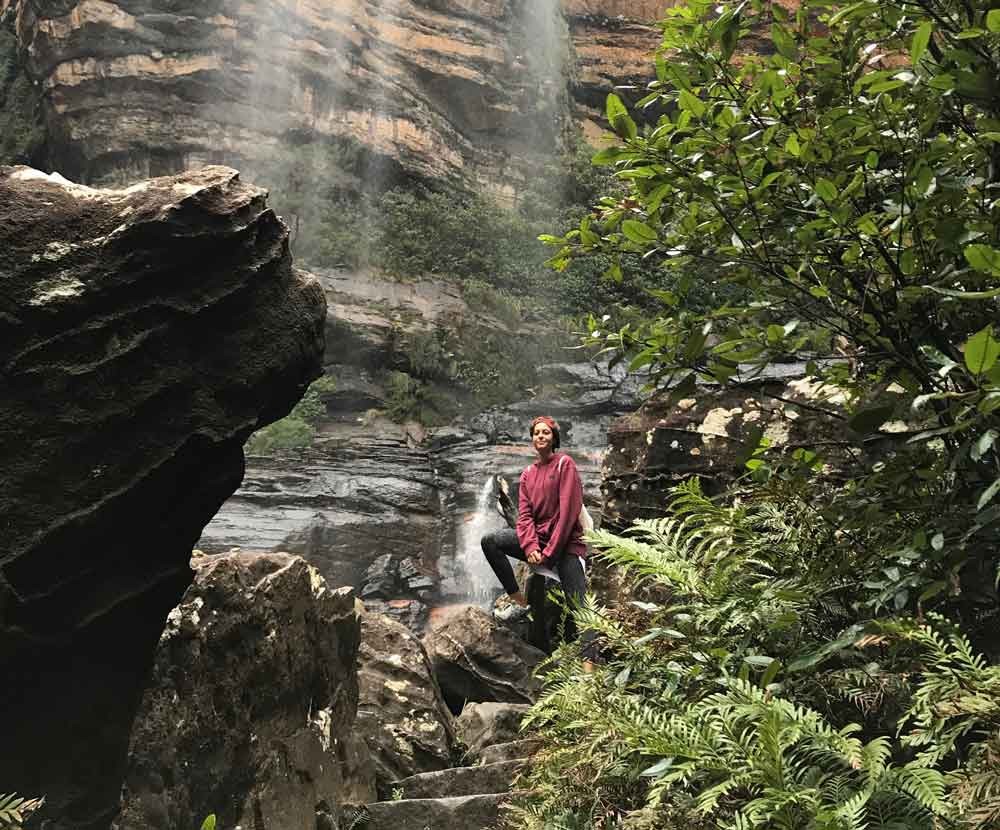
(466, 796)
(484, 671)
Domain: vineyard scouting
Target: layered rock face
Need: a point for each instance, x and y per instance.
(136, 87)
(467, 91)
(250, 706)
(146, 332)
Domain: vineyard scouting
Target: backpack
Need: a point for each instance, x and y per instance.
(586, 520)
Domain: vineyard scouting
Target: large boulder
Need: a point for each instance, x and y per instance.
(146, 333)
(401, 713)
(253, 692)
(476, 659)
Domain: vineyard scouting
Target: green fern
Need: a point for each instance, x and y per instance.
(696, 716)
(14, 810)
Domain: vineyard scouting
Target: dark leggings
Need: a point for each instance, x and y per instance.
(499, 545)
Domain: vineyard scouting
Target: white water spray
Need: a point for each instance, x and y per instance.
(473, 579)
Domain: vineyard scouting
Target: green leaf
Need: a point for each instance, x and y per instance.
(614, 272)
(885, 86)
(619, 118)
(988, 494)
(993, 20)
(932, 590)
(208, 823)
(784, 42)
(639, 232)
(982, 444)
(921, 38)
(983, 258)
(792, 145)
(609, 155)
(658, 769)
(845, 640)
(869, 420)
(981, 351)
(692, 103)
(965, 295)
(826, 190)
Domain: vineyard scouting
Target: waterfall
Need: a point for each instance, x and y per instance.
(472, 579)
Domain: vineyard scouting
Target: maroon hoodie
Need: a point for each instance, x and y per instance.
(550, 496)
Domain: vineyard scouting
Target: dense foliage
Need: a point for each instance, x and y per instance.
(729, 701)
(409, 230)
(808, 654)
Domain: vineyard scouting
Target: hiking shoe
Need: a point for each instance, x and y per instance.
(510, 613)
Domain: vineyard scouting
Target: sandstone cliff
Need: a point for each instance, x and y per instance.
(467, 91)
(146, 332)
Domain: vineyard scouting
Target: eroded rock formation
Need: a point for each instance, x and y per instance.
(460, 90)
(401, 714)
(146, 332)
(251, 703)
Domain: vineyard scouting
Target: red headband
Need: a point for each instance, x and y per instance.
(543, 419)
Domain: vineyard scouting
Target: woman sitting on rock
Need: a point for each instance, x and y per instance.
(548, 535)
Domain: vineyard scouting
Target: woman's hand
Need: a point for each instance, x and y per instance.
(534, 557)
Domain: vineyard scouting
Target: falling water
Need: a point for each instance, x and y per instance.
(472, 579)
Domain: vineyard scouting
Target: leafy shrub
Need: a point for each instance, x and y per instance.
(842, 181)
(427, 354)
(297, 429)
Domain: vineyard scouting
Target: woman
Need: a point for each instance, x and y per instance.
(549, 535)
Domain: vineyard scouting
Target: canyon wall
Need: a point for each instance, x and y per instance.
(465, 91)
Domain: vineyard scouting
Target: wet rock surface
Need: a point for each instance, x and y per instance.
(402, 716)
(476, 659)
(147, 332)
(251, 702)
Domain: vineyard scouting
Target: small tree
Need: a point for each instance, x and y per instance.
(842, 177)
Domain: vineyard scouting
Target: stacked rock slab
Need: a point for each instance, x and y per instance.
(251, 703)
(145, 333)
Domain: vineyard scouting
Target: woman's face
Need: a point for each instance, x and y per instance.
(541, 437)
